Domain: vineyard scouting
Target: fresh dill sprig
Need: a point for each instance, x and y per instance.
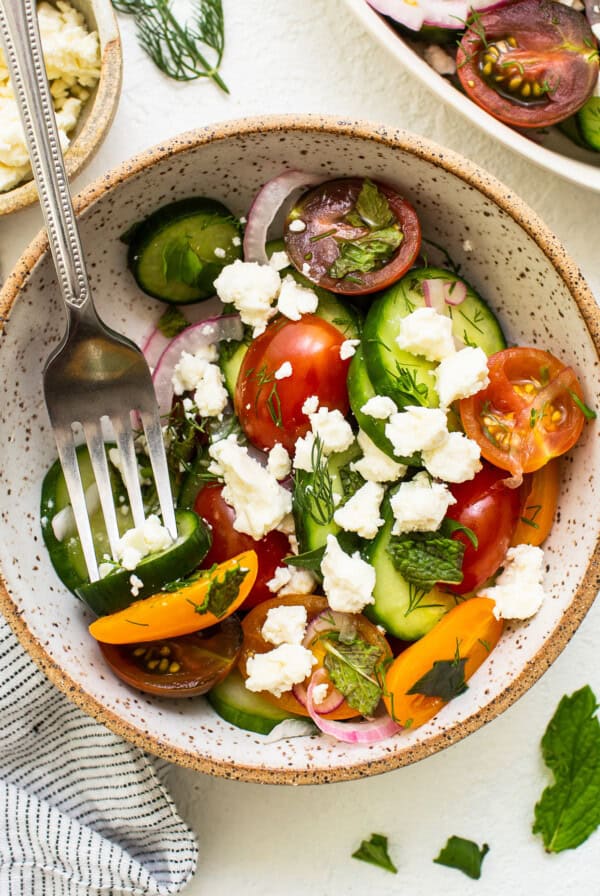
(313, 491)
(177, 49)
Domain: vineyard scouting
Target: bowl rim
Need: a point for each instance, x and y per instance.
(578, 172)
(99, 118)
(557, 256)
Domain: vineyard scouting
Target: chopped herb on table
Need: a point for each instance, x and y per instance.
(464, 855)
(375, 851)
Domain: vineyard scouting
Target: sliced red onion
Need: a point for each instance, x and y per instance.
(451, 14)
(445, 13)
(328, 620)
(455, 292)
(265, 206)
(215, 329)
(402, 11)
(331, 702)
(155, 342)
(433, 293)
(369, 731)
(592, 14)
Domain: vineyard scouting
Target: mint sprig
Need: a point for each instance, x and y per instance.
(375, 851)
(464, 855)
(424, 558)
(352, 667)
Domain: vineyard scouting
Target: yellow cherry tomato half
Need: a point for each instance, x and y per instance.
(538, 507)
(468, 632)
(189, 609)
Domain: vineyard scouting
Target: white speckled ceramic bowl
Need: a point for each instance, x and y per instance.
(99, 110)
(540, 297)
(558, 154)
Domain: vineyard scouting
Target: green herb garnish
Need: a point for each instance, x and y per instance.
(424, 558)
(587, 412)
(222, 592)
(375, 851)
(352, 667)
(464, 855)
(450, 526)
(445, 679)
(172, 322)
(313, 491)
(180, 263)
(569, 809)
(178, 49)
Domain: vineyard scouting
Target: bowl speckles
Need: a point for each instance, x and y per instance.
(540, 297)
(99, 110)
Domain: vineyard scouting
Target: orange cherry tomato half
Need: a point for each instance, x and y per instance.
(529, 412)
(324, 210)
(270, 409)
(178, 667)
(315, 605)
(538, 506)
(529, 64)
(173, 613)
(468, 632)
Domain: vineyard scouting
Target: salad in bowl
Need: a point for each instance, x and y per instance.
(334, 549)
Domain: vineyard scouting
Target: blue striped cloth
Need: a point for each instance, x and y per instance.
(82, 812)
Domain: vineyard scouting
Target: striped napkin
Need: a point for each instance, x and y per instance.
(82, 813)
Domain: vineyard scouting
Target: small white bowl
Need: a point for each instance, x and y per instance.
(559, 154)
(99, 110)
(539, 296)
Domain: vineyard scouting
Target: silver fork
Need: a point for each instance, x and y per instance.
(95, 372)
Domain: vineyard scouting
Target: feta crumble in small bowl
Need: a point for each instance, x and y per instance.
(508, 256)
(84, 68)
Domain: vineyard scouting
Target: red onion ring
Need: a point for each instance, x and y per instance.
(265, 206)
(455, 292)
(214, 329)
(369, 731)
(407, 14)
(155, 342)
(328, 620)
(451, 14)
(433, 293)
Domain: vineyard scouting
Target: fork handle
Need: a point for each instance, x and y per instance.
(23, 50)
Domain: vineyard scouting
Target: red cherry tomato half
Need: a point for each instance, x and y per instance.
(530, 412)
(324, 211)
(529, 64)
(178, 667)
(491, 511)
(227, 542)
(270, 409)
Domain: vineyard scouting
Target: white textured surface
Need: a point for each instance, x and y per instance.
(311, 56)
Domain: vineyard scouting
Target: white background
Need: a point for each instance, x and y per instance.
(311, 56)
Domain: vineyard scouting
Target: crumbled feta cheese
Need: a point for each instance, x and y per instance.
(303, 452)
(190, 368)
(297, 225)
(280, 669)
(348, 580)
(106, 568)
(281, 577)
(306, 269)
(284, 371)
(301, 581)
(380, 407)
(258, 500)
(287, 525)
(360, 513)
(279, 464)
(429, 334)
(455, 460)
(295, 300)
(439, 60)
(197, 373)
(285, 625)
(461, 375)
(519, 591)
(416, 429)
(319, 693)
(136, 585)
(251, 288)
(348, 348)
(220, 252)
(420, 505)
(310, 405)
(375, 465)
(333, 430)
(72, 59)
(236, 241)
(137, 543)
(279, 260)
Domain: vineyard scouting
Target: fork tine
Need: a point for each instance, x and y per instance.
(160, 469)
(95, 443)
(124, 434)
(68, 459)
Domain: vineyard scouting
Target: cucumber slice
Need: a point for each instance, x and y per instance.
(398, 606)
(588, 119)
(245, 709)
(231, 356)
(405, 377)
(66, 555)
(113, 592)
(177, 253)
(360, 390)
(312, 528)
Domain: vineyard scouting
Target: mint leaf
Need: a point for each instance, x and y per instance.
(464, 855)
(375, 851)
(180, 263)
(366, 253)
(352, 667)
(569, 810)
(371, 209)
(172, 322)
(351, 480)
(308, 560)
(222, 591)
(445, 679)
(424, 558)
(450, 526)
